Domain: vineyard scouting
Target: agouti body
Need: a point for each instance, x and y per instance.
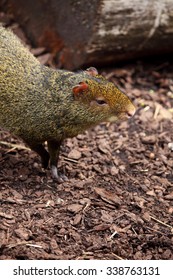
(41, 104)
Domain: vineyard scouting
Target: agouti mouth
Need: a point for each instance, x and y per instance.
(130, 113)
(123, 116)
(112, 119)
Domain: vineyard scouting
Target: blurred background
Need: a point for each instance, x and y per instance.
(99, 32)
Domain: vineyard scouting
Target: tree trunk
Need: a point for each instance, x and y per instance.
(98, 31)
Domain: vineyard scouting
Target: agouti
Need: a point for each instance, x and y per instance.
(41, 104)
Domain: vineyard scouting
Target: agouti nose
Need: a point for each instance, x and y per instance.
(130, 112)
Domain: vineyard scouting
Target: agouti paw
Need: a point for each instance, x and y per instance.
(60, 178)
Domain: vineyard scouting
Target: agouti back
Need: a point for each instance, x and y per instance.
(40, 104)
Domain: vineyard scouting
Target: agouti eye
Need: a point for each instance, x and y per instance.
(101, 102)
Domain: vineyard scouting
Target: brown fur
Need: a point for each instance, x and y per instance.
(39, 104)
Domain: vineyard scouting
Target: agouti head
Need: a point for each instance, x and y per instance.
(102, 99)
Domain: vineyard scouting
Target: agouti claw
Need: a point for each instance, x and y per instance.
(60, 178)
(63, 178)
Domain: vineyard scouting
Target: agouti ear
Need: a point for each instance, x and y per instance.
(92, 71)
(80, 88)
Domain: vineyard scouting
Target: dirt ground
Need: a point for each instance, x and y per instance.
(118, 202)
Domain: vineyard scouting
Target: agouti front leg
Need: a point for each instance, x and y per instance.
(54, 149)
(41, 151)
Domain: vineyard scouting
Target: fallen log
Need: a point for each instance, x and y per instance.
(96, 32)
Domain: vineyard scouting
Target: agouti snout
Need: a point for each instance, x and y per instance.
(40, 104)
